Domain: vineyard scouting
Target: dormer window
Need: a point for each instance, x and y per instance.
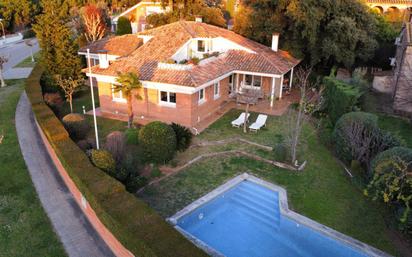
(201, 46)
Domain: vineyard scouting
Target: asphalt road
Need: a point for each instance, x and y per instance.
(16, 53)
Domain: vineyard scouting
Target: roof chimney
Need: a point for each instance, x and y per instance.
(103, 59)
(198, 18)
(275, 42)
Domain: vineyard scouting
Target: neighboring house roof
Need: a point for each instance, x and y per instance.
(153, 2)
(167, 40)
(118, 45)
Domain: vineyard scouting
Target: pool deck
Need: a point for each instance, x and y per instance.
(284, 210)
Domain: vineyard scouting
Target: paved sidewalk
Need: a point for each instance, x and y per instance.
(77, 235)
(17, 73)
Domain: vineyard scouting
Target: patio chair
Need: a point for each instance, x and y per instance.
(259, 123)
(239, 121)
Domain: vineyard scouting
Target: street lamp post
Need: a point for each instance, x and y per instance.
(94, 107)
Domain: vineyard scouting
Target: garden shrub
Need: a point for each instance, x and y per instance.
(29, 34)
(340, 97)
(103, 160)
(53, 99)
(123, 26)
(77, 125)
(48, 84)
(138, 227)
(358, 137)
(392, 182)
(84, 145)
(116, 145)
(280, 152)
(158, 142)
(134, 183)
(132, 136)
(183, 136)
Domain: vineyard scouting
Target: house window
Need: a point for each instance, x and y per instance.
(117, 96)
(201, 46)
(231, 79)
(257, 81)
(248, 80)
(216, 90)
(167, 98)
(202, 96)
(95, 62)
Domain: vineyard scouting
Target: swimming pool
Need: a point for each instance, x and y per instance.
(246, 218)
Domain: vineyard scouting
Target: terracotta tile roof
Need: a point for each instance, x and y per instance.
(168, 39)
(118, 45)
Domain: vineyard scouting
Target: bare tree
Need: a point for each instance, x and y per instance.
(248, 97)
(69, 86)
(297, 121)
(3, 60)
(94, 22)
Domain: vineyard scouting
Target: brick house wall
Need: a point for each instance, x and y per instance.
(188, 111)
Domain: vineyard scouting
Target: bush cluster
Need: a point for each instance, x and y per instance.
(357, 136)
(158, 141)
(391, 183)
(77, 125)
(132, 136)
(183, 136)
(103, 160)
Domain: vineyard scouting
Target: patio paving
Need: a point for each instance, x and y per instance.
(280, 106)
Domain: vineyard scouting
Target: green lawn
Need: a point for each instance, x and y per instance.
(322, 191)
(398, 126)
(81, 98)
(27, 63)
(25, 229)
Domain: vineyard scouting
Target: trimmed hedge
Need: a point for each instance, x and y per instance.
(139, 228)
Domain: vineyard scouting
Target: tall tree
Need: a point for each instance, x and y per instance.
(94, 23)
(323, 31)
(187, 10)
(57, 41)
(18, 14)
(129, 83)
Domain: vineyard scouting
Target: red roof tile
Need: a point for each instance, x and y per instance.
(168, 39)
(119, 45)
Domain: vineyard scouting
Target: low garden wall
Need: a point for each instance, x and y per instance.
(125, 223)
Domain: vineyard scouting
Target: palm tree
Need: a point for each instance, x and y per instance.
(128, 82)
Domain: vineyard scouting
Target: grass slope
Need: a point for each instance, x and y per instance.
(27, 63)
(25, 229)
(322, 192)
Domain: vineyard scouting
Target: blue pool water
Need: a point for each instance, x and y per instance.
(246, 221)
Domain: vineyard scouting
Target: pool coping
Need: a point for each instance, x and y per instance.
(284, 210)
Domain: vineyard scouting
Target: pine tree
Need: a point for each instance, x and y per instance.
(57, 41)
